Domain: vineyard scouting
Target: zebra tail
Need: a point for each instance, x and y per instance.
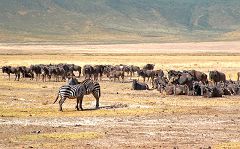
(56, 98)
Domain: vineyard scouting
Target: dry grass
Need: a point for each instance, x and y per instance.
(32, 100)
(60, 136)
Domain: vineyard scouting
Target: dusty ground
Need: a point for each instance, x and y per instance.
(126, 119)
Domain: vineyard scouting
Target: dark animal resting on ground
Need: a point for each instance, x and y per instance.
(198, 88)
(78, 91)
(169, 89)
(181, 90)
(149, 67)
(160, 83)
(11, 70)
(212, 91)
(217, 76)
(233, 87)
(176, 89)
(139, 86)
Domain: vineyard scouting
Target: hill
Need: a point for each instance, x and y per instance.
(119, 20)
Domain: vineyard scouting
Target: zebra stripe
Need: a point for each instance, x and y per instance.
(78, 91)
(91, 87)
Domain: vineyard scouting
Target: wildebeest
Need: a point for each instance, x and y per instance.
(72, 81)
(160, 83)
(11, 70)
(150, 74)
(45, 73)
(133, 69)
(173, 73)
(159, 73)
(217, 76)
(212, 91)
(98, 72)
(198, 88)
(139, 86)
(26, 72)
(182, 79)
(176, 89)
(181, 90)
(37, 70)
(149, 67)
(77, 68)
(169, 89)
(116, 75)
(198, 76)
(88, 71)
(234, 88)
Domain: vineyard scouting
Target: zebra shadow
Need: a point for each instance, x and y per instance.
(108, 107)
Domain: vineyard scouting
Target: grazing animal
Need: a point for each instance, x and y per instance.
(88, 71)
(133, 69)
(98, 72)
(159, 73)
(77, 68)
(217, 76)
(198, 76)
(72, 81)
(78, 91)
(37, 70)
(182, 79)
(173, 73)
(150, 74)
(139, 86)
(11, 70)
(160, 83)
(149, 67)
(45, 74)
(116, 75)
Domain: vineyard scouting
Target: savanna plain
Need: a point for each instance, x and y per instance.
(126, 118)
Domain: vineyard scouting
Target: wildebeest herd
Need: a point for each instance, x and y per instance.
(186, 82)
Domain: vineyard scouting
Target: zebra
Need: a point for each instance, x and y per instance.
(78, 91)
